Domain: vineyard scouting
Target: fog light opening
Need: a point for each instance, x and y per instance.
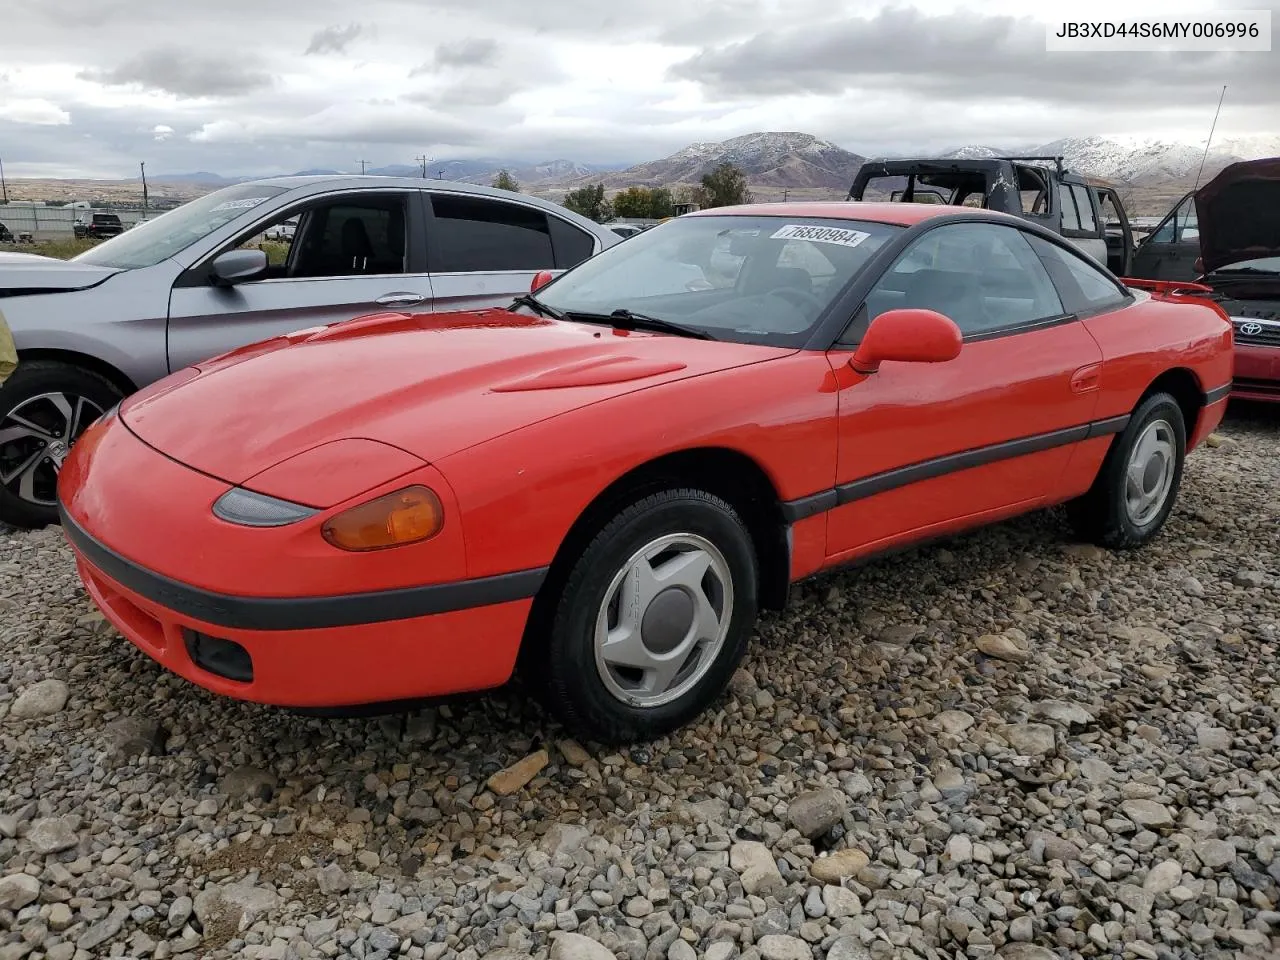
(224, 658)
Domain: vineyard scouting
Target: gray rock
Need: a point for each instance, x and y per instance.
(1022, 929)
(1162, 877)
(1147, 813)
(1030, 739)
(51, 835)
(1215, 854)
(756, 867)
(42, 699)
(848, 948)
(17, 890)
(816, 812)
(778, 947)
(574, 946)
(1070, 714)
(840, 902)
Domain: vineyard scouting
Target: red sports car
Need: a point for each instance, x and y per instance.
(604, 482)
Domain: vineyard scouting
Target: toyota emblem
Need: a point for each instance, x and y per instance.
(1251, 329)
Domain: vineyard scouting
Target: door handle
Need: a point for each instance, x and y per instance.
(1086, 378)
(400, 299)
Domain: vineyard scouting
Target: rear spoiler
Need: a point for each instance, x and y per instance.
(1171, 288)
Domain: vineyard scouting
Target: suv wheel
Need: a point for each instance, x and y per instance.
(44, 407)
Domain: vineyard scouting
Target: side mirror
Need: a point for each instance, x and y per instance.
(540, 280)
(907, 335)
(238, 266)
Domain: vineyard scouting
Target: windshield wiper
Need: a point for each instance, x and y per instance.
(537, 306)
(625, 319)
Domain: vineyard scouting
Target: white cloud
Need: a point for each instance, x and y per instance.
(191, 88)
(34, 111)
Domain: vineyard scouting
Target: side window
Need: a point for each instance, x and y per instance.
(474, 234)
(1083, 287)
(1085, 206)
(1188, 222)
(984, 276)
(570, 245)
(1174, 227)
(350, 237)
(1070, 215)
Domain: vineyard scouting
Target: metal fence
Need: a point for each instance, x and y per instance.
(58, 223)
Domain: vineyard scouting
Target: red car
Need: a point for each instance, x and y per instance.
(1224, 237)
(607, 480)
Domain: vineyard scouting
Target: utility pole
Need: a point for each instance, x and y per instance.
(785, 193)
(143, 168)
(440, 174)
(4, 187)
(362, 165)
(423, 161)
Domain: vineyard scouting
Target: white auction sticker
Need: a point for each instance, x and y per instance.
(840, 235)
(244, 204)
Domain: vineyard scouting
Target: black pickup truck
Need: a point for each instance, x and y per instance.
(1087, 212)
(99, 226)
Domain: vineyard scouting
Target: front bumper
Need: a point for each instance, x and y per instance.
(458, 651)
(1257, 373)
(275, 616)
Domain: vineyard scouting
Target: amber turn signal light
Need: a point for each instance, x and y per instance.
(406, 516)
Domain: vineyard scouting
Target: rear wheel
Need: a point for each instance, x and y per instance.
(1137, 486)
(653, 618)
(44, 407)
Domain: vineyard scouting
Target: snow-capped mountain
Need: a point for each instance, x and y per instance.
(780, 159)
(1134, 159)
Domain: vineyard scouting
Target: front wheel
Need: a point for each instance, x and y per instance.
(44, 407)
(1135, 490)
(653, 618)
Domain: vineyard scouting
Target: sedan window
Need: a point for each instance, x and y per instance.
(477, 235)
(173, 231)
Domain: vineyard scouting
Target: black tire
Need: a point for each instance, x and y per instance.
(1102, 515)
(570, 680)
(86, 391)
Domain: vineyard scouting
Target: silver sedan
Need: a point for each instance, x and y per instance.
(196, 282)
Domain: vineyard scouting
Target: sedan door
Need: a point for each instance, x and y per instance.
(1170, 251)
(927, 449)
(484, 251)
(355, 253)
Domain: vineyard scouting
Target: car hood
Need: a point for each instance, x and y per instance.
(22, 273)
(428, 384)
(1239, 213)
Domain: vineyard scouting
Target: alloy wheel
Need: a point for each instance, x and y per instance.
(35, 438)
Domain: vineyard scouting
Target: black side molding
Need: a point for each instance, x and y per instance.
(823, 500)
(1216, 394)
(301, 613)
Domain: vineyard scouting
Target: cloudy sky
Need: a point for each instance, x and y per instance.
(91, 87)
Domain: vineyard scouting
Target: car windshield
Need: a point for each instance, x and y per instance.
(160, 238)
(1258, 265)
(752, 279)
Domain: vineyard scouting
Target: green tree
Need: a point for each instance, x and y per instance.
(632, 202)
(724, 186)
(505, 181)
(589, 201)
(660, 203)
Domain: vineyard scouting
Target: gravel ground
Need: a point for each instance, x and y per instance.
(1010, 745)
